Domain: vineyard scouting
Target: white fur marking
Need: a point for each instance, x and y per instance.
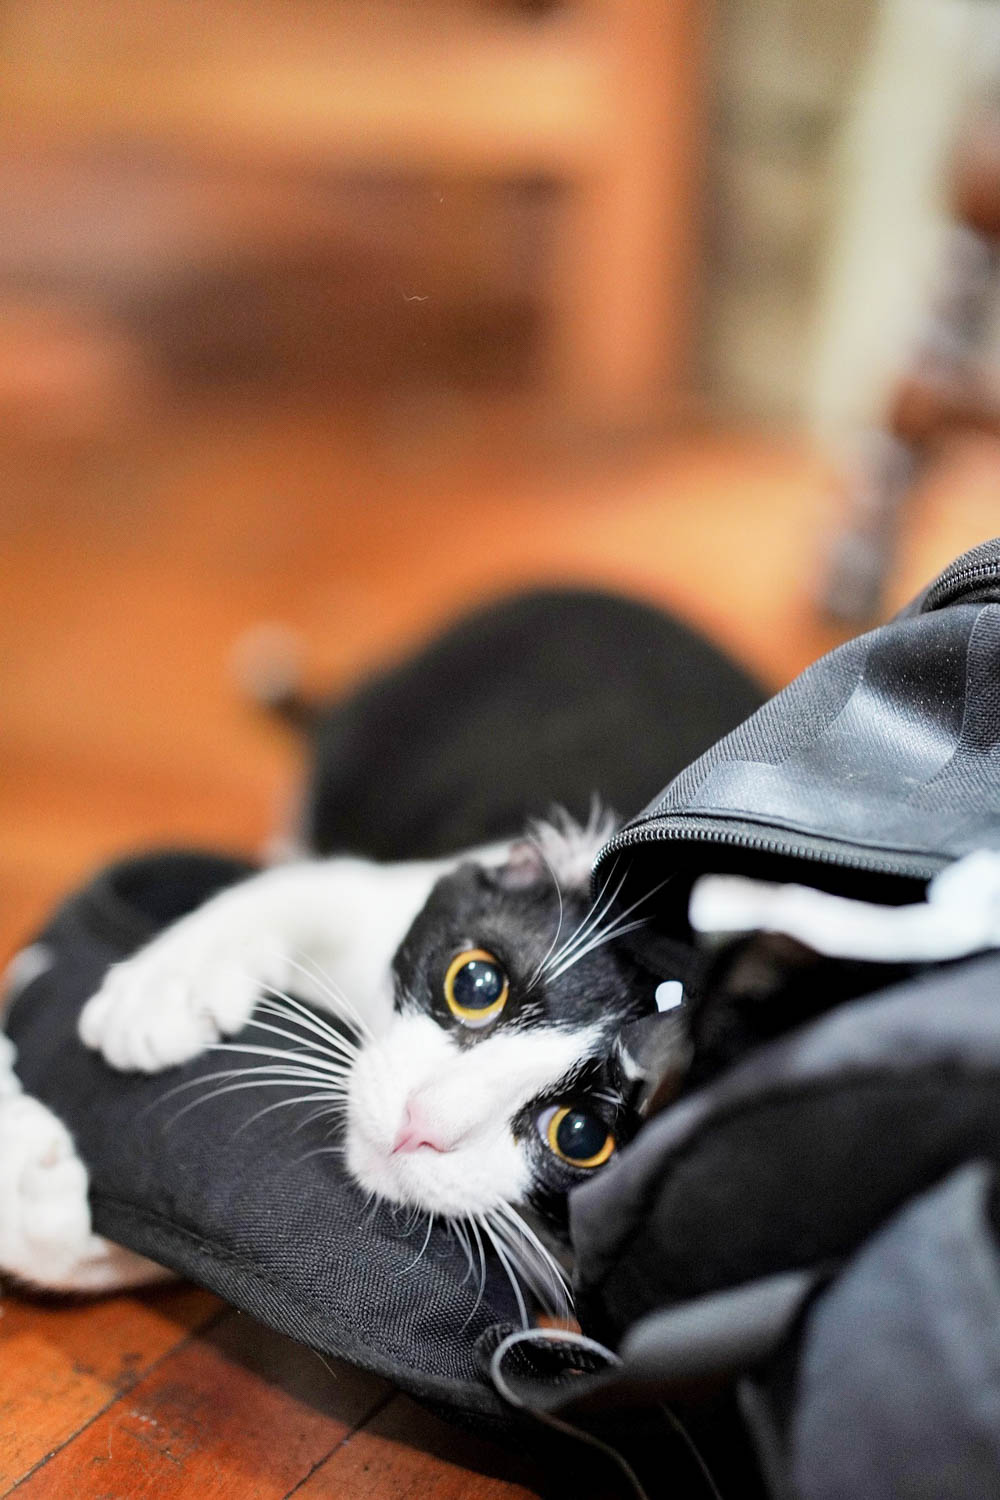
(467, 1097)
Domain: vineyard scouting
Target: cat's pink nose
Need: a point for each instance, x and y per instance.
(414, 1132)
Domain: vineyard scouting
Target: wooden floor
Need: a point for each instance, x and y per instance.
(130, 566)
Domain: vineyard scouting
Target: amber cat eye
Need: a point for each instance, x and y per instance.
(576, 1136)
(476, 987)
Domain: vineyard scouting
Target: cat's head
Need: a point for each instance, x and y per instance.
(497, 1079)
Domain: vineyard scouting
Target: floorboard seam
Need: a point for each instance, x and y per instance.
(189, 1338)
(369, 1416)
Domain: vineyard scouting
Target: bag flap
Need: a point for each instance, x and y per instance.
(870, 772)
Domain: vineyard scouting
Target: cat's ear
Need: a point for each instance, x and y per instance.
(524, 867)
(652, 1056)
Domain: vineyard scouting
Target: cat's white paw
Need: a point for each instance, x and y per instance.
(45, 1230)
(179, 995)
(44, 1214)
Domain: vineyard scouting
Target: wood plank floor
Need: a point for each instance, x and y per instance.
(129, 568)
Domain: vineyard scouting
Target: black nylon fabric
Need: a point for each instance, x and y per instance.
(897, 1390)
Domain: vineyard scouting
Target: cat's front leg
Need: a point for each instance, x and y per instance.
(46, 1239)
(322, 929)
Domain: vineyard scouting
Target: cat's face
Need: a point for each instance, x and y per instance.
(494, 1081)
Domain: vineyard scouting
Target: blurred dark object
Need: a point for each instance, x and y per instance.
(948, 389)
(591, 696)
(346, 189)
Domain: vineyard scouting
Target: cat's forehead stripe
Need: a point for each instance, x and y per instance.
(533, 1061)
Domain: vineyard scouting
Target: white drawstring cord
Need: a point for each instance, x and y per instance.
(961, 915)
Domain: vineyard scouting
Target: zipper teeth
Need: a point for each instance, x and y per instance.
(946, 586)
(762, 844)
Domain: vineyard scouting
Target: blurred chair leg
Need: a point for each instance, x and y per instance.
(863, 550)
(944, 390)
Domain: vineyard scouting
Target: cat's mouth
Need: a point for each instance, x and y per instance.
(450, 1181)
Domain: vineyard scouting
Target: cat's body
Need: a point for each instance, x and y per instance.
(472, 1069)
(530, 700)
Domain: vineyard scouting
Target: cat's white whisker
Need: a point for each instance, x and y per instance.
(276, 1002)
(470, 1229)
(608, 935)
(539, 1267)
(334, 1047)
(427, 1239)
(281, 1104)
(601, 903)
(594, 928)
(524, 1230)
(413, 1216)
(278, 1072)
(482, 1262)
(336, 1109)
(323, 1063)
(455, 1227)
(309, 1052)
(319, 1151)
(598, 910)
(511, 1277)
(253, 1083)
(319, 976)
(618, 927)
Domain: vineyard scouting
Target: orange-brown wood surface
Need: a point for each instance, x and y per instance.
(129, 569)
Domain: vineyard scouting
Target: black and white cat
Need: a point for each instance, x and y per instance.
(477, 1079)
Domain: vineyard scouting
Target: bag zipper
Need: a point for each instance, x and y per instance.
(740, 834)
(963, 578)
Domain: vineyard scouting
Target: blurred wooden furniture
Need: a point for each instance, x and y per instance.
(598, 97)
